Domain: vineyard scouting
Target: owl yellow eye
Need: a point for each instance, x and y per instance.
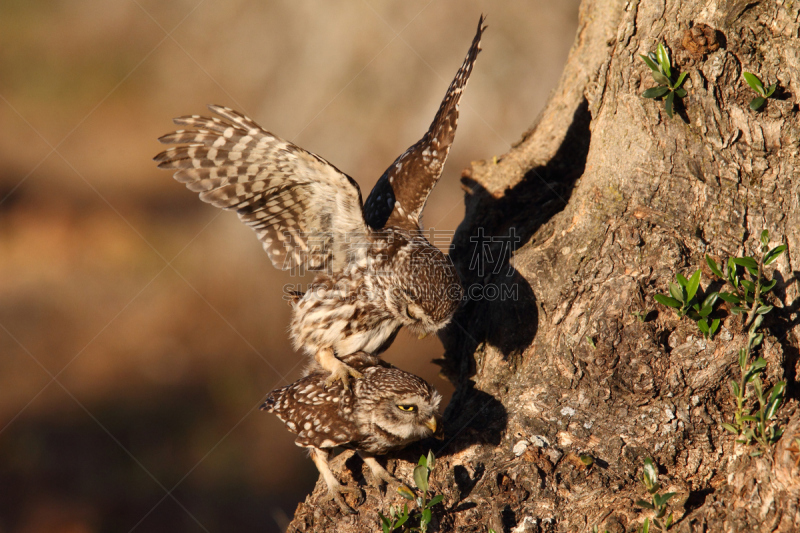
(409, 408)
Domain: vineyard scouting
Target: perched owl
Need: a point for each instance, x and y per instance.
(385, 410)
(375, 271)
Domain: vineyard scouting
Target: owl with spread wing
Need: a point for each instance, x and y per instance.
(375, 272)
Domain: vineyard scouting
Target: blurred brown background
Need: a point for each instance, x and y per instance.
(140, 328)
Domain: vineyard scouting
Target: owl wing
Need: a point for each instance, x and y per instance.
(400, 194)
(304, 210)
(320, 415)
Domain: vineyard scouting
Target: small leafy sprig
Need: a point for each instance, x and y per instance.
(748, 294)
(661, 69)
(659, 501)
(684, 300)
(753, 423)
(397, 517)
(763, 93)
(757, 425)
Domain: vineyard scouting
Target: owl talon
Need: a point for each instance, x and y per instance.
(335, 489)
(342, 373)
(335, 494)
(380, 475)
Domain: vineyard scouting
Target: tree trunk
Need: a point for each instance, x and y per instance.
(603, 202)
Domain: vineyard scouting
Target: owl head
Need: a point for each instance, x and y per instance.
(399, 406)
(428, 292)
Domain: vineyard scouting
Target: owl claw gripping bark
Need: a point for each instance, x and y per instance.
(335, 489)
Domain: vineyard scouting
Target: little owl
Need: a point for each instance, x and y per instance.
(375, 271)
(384, 411)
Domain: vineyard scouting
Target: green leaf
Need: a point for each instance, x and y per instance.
(703, 326)
(421, 477)
(772, 408)
(680, 81)
(676, 292)
(436, 499)
(668, 101)
(666, 300)
(681, 93)
(402, 520)
(759, 364)
(423, 461)
(729, 297)
(650, 473)
(749, 418)
(773, 254)
(662, 499)
(736, 310)
(757, 339)
(660, 78)
(646, 526)
(730, 428)
(655, 92)
(705, 311)
(431, 460)
(735, 388)
(749, 286)
(714, 326)
(713, 266)
(426, 517)
(757, 385)
(747, 262)
(649, 63)
(777, 390)
(682, 279)
(385, 524)
(742, 358)
(755, 83)
(711, 299)
(750, 375)
(644, 504)
(775, 399)
(764, 309)
(771, 89)
(405, 492)
(765, 237)
(768, 286)
(756, 103)
(693, 285)
(756, 453)
(663, 59)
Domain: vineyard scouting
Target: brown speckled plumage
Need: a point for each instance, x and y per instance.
(376, 272)
(383, 411)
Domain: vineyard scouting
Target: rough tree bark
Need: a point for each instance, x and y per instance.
(610, 199)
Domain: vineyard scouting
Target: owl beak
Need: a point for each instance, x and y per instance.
(437, 429)
(422, 336)
(431, 424)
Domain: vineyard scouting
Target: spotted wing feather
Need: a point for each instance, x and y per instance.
(318, 415)
(400, 194)
(303, 209)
